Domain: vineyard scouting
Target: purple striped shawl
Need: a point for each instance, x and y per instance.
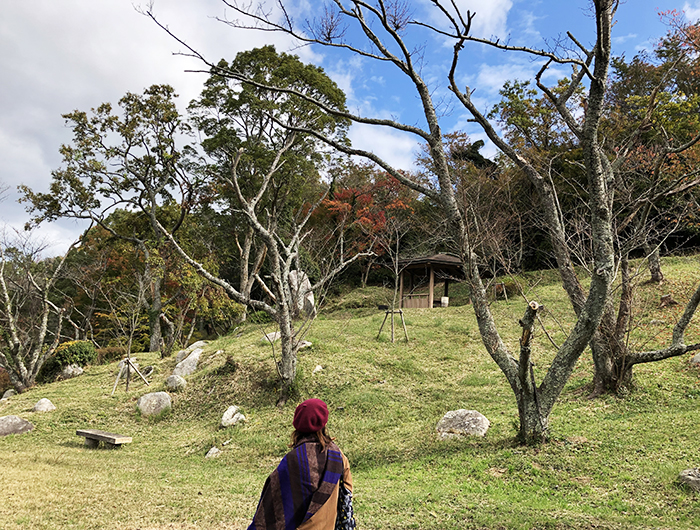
(301, 484)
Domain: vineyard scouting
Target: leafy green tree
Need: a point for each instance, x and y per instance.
(268, 180)
(239, 121)
(127, 160)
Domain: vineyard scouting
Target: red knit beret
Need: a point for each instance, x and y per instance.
(310, 416)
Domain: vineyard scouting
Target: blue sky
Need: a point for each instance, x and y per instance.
(56, 57)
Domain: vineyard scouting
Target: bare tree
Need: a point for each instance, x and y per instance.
(29, 317)
(384, 26)
(276, 296)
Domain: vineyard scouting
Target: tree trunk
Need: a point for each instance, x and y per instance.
(287, 365)
(533, 423)
(154, 313)
(657, 276)
(534, 420)
(612, 369)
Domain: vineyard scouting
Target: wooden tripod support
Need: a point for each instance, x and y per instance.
(127, 365)
(392, 312)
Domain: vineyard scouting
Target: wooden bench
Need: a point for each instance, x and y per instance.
(93, 437)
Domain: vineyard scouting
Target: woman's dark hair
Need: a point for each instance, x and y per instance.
(322, 436)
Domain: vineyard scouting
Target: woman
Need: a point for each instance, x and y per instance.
(302, 493)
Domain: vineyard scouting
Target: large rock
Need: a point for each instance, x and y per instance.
(9, 393)
(14, 425)
(71, 371)
(182, 354)
(691, 478)
(232, 417)
(303, 296)
(188, 365)
(462, 422)
(175, 383)
(695, 361)
(154, 403)
(271, 337)
(44, 405)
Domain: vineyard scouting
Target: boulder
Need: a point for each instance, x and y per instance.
(695, 361)
(691, 478)
(462, 422)
(70, 371)
(183, 354)
(44, 405)
(14, 425)
(232, 417)
(9, 393)
(154, 403)
(213, 452)
(175, 383)
(188, 365)
(271, 337)
(303, 296)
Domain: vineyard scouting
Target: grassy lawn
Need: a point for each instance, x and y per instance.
(611, 462)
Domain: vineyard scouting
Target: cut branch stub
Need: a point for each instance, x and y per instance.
(528, 322)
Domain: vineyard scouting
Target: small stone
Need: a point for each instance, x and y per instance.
(44, 405)
(667, 300)
(656, 322)
(695, 361)
(154, 403)
(175, 383)
(188, 365)
(9, 393)
(134, 364)
(691, 478)
(148, 371)
(213, 452)
(232, 417)
(121, 363)
(14, 425)
(318, 369)
(462, 422)
(305, 344)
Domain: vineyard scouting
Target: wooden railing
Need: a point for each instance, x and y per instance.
(415, 300)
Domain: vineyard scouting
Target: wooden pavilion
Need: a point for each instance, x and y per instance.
(417, 272)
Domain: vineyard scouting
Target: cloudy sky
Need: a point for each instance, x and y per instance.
(60, 55)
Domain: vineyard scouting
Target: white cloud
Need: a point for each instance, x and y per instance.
(692, 11)
(62, 56)
(490, 17)
(394, 147)
(624, 38)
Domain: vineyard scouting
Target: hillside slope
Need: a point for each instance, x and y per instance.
(611, 463)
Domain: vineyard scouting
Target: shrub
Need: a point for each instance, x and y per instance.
(109, 354)
(80, 352)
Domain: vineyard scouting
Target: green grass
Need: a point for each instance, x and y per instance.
(611, 462)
